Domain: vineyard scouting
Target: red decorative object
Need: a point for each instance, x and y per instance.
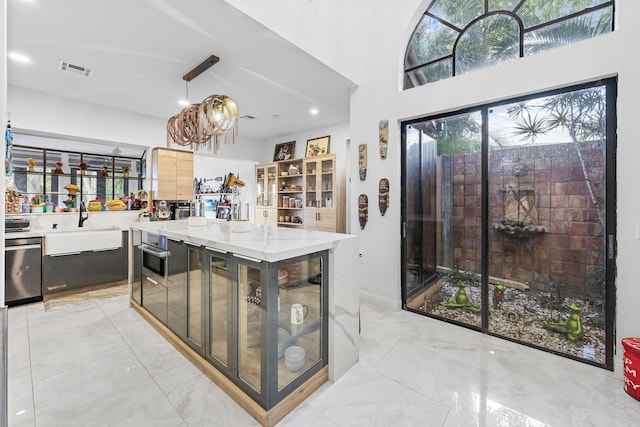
(631, 359)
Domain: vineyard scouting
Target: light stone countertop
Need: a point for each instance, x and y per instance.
(42, 224)
(260, 242)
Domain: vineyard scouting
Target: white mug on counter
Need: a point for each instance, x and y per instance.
(298, 313)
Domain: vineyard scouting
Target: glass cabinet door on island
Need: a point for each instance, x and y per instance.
(196, 300)
(301, 338)
(268, 322)
(220, 286)
(263, 325)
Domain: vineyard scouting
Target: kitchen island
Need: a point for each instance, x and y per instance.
(267, 313)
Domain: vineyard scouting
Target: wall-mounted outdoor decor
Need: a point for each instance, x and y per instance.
(383, 137)
(362, 161)
(383, 195)
(363, 210)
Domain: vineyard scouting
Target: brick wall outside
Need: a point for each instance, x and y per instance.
(572, 249)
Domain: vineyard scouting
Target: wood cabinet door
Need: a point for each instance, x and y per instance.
(320, 219)
(184, 175)
(164, 174)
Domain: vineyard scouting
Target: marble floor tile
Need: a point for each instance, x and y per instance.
(374, 345)
(158, 357)
(115, 390)
(99, 363)
(199, 401)
(306, 415)
(60, 345)
(363, 397)
(20, 411)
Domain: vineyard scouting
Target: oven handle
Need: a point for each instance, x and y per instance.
(146, 248)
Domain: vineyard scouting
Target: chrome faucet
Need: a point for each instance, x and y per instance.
(82, 218)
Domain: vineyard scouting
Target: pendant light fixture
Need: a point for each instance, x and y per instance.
(202, 126)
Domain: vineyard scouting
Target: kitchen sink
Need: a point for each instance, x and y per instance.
(66, 241)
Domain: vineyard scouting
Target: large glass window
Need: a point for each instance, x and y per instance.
(45, 173)
(457, 36)
(510, 221)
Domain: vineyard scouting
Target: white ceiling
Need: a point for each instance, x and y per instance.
(139, 50)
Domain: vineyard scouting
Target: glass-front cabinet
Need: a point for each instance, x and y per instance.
(264, 325)
(290, 193)
(266, 194)
(320, 201)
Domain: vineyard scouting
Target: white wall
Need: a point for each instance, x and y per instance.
(379, 34)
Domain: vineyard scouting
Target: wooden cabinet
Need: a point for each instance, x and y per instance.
(323, 204)
(266, 194)
(301, 193)
(172, 174)
(320, 219)
(290, 193)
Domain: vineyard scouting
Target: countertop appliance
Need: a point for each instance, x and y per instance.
(23, 270)
(162, 210)
(180, 209)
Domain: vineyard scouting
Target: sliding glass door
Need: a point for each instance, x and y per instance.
(508, 222)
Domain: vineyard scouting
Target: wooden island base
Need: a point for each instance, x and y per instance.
(266, 418)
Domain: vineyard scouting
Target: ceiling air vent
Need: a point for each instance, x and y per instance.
(66, 66)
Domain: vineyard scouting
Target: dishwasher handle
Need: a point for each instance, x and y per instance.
(21, 248)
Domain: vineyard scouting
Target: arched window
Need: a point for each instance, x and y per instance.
(457, 36)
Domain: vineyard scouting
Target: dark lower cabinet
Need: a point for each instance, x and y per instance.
(177, 288)
(105, 266)
(155, 297)
(63, 273)
(74, 271)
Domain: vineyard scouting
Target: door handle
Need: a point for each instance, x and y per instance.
(151, 280)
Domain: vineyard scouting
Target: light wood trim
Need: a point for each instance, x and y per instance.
(265, 418)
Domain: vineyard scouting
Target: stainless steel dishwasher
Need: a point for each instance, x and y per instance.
(23, 270)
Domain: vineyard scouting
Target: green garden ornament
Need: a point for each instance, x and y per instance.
(462, 300)
(572, 327)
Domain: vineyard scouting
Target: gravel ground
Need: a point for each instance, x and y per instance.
(523, 315)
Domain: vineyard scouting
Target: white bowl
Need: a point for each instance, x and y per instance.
(294, 358)
(284, 173)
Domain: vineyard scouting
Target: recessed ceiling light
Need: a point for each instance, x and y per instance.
(183, 102)
(19, 57)
(314, 111)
